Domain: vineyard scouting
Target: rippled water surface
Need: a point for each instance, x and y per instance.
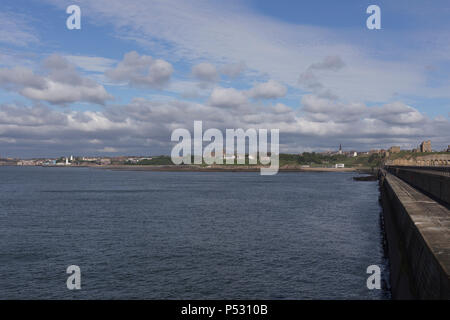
(176, 235)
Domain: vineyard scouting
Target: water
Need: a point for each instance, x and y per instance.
(181, 235)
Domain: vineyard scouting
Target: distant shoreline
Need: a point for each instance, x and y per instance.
(193, 168)
(190, 168)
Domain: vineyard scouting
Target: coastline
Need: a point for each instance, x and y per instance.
(191, 168)
(217, 168)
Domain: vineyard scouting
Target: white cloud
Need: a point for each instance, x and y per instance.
(233, 70)
(20, 76)
(62, 84)
(205, 72)
(398, 113)
(309, 79)
(227, 98)
(141, 71)
(62, 93)
(93, 64)
(268, 90)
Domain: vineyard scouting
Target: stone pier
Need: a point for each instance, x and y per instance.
(417, 225)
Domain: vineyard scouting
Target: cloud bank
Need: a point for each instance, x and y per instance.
(61, 85)
(144, 126)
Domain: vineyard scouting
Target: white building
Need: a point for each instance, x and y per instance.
(229, 157)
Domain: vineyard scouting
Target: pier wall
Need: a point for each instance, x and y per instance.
(434, 183)
(417, 231)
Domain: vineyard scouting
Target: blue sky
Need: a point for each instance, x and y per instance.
(139, 69)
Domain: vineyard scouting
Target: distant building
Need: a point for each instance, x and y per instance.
(104, 162)
(339, 165)
(394, 149)
(229, 157)
(432, 159)
(425, 146)
(264, 159)
(448, 148)
(340, 149)
(26, 163)
(49, 162)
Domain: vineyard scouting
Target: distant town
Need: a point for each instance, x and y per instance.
(422, 155)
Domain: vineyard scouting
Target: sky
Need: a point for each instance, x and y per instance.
(137, 70)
